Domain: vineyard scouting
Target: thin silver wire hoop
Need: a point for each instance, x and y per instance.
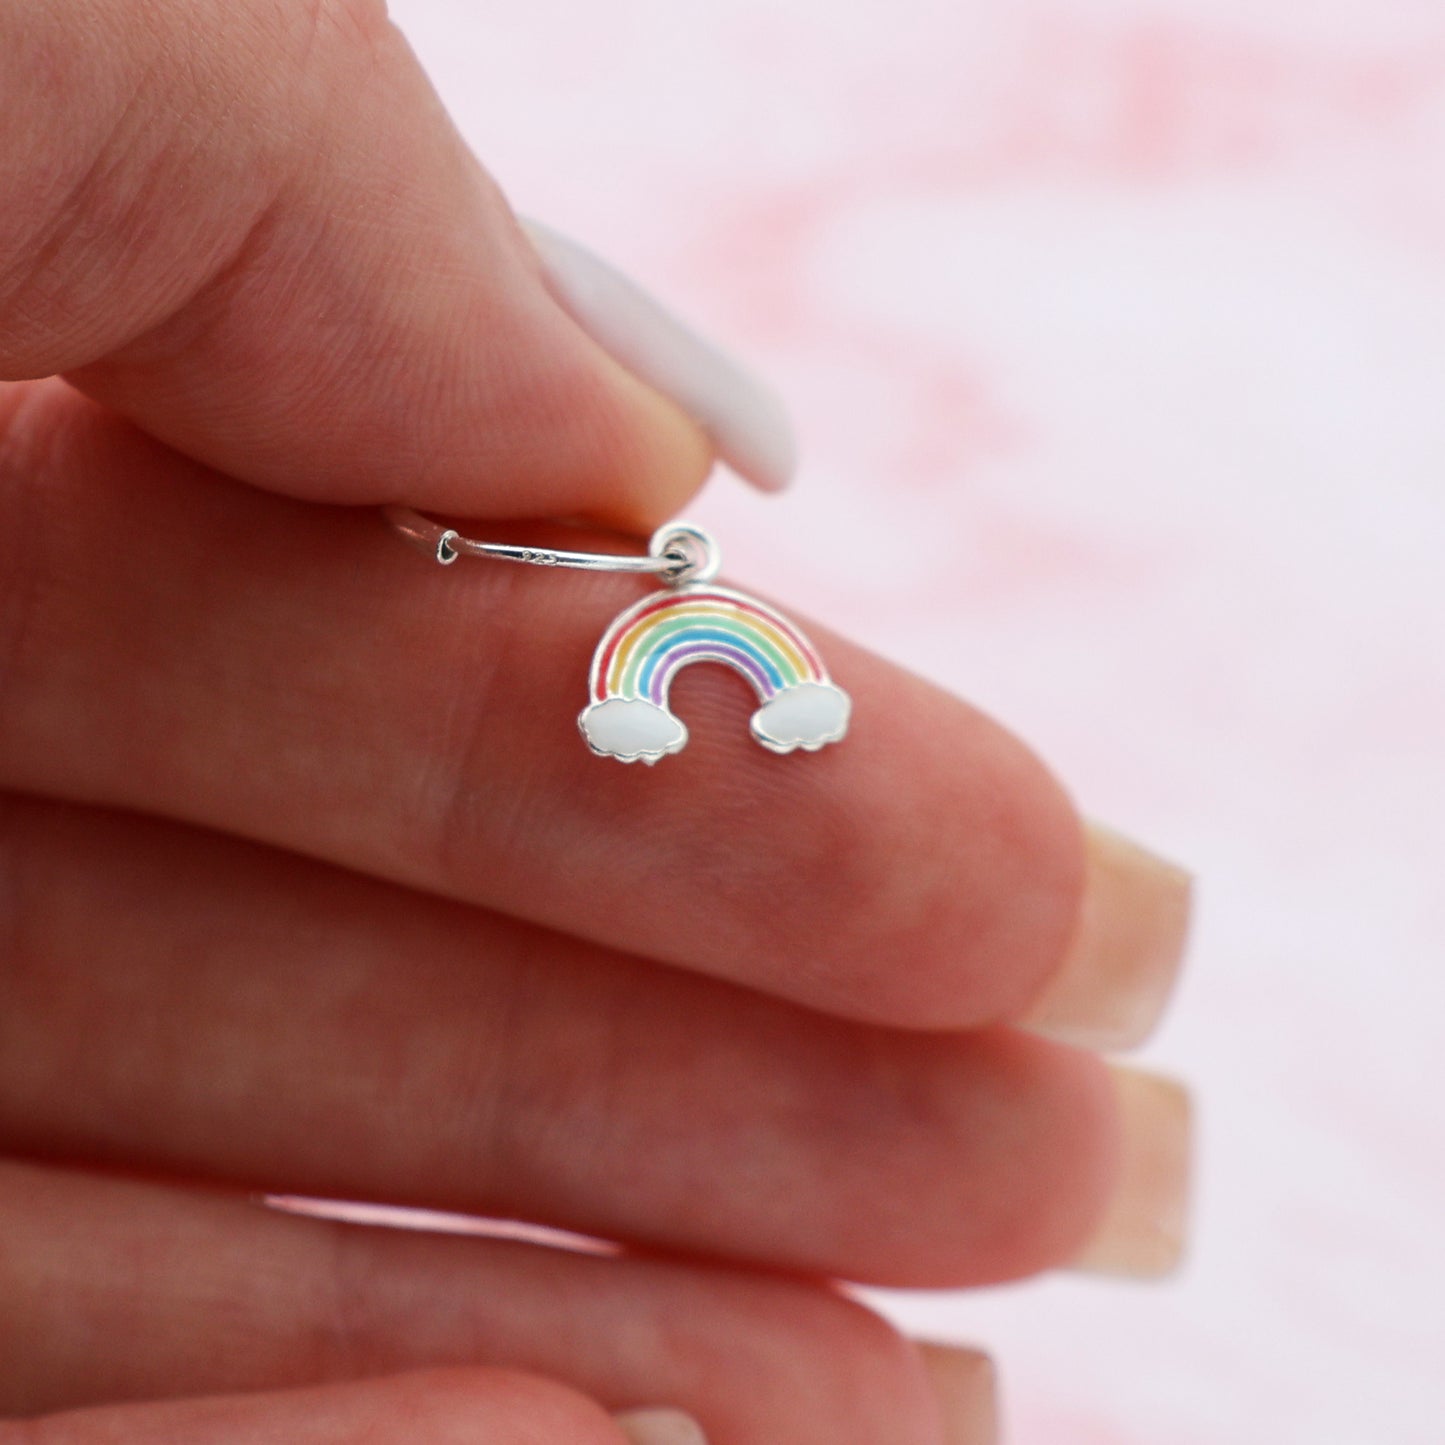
(678, 552)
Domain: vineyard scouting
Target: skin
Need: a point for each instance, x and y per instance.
(307, 884)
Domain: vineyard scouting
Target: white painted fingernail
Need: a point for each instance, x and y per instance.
(661, 1427)
(742, 415)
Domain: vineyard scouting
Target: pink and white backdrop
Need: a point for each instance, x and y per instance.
(1115, 335)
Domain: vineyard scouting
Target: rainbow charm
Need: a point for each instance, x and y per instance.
(627, 716)
(645, 648)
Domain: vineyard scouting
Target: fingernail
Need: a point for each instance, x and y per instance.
(966, 1384)
(1127, 948)
(661, 1427)
(742, 415)
(1142, 1233)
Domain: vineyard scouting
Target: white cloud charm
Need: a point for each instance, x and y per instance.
(805, 716)
(630, 729)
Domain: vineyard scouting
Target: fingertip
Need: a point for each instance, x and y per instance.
(965, 1383)
(660, 1426)
(1142, 1231)
(1128, 947)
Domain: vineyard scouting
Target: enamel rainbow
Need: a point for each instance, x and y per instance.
(644, 649)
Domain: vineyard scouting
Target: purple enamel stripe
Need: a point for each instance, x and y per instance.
(736, 657)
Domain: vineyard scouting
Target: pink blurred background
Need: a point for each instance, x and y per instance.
(1115, 335)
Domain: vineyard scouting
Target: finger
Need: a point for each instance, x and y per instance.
(124, 1290)
(300, 1030)
(251, 227)
(186, 646)
(443, 1407)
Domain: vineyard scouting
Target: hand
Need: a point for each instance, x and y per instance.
(309, 886)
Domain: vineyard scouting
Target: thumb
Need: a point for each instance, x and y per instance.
(251, 227)
(440, 1406)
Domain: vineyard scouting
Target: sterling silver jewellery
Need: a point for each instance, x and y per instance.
(690, 620)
